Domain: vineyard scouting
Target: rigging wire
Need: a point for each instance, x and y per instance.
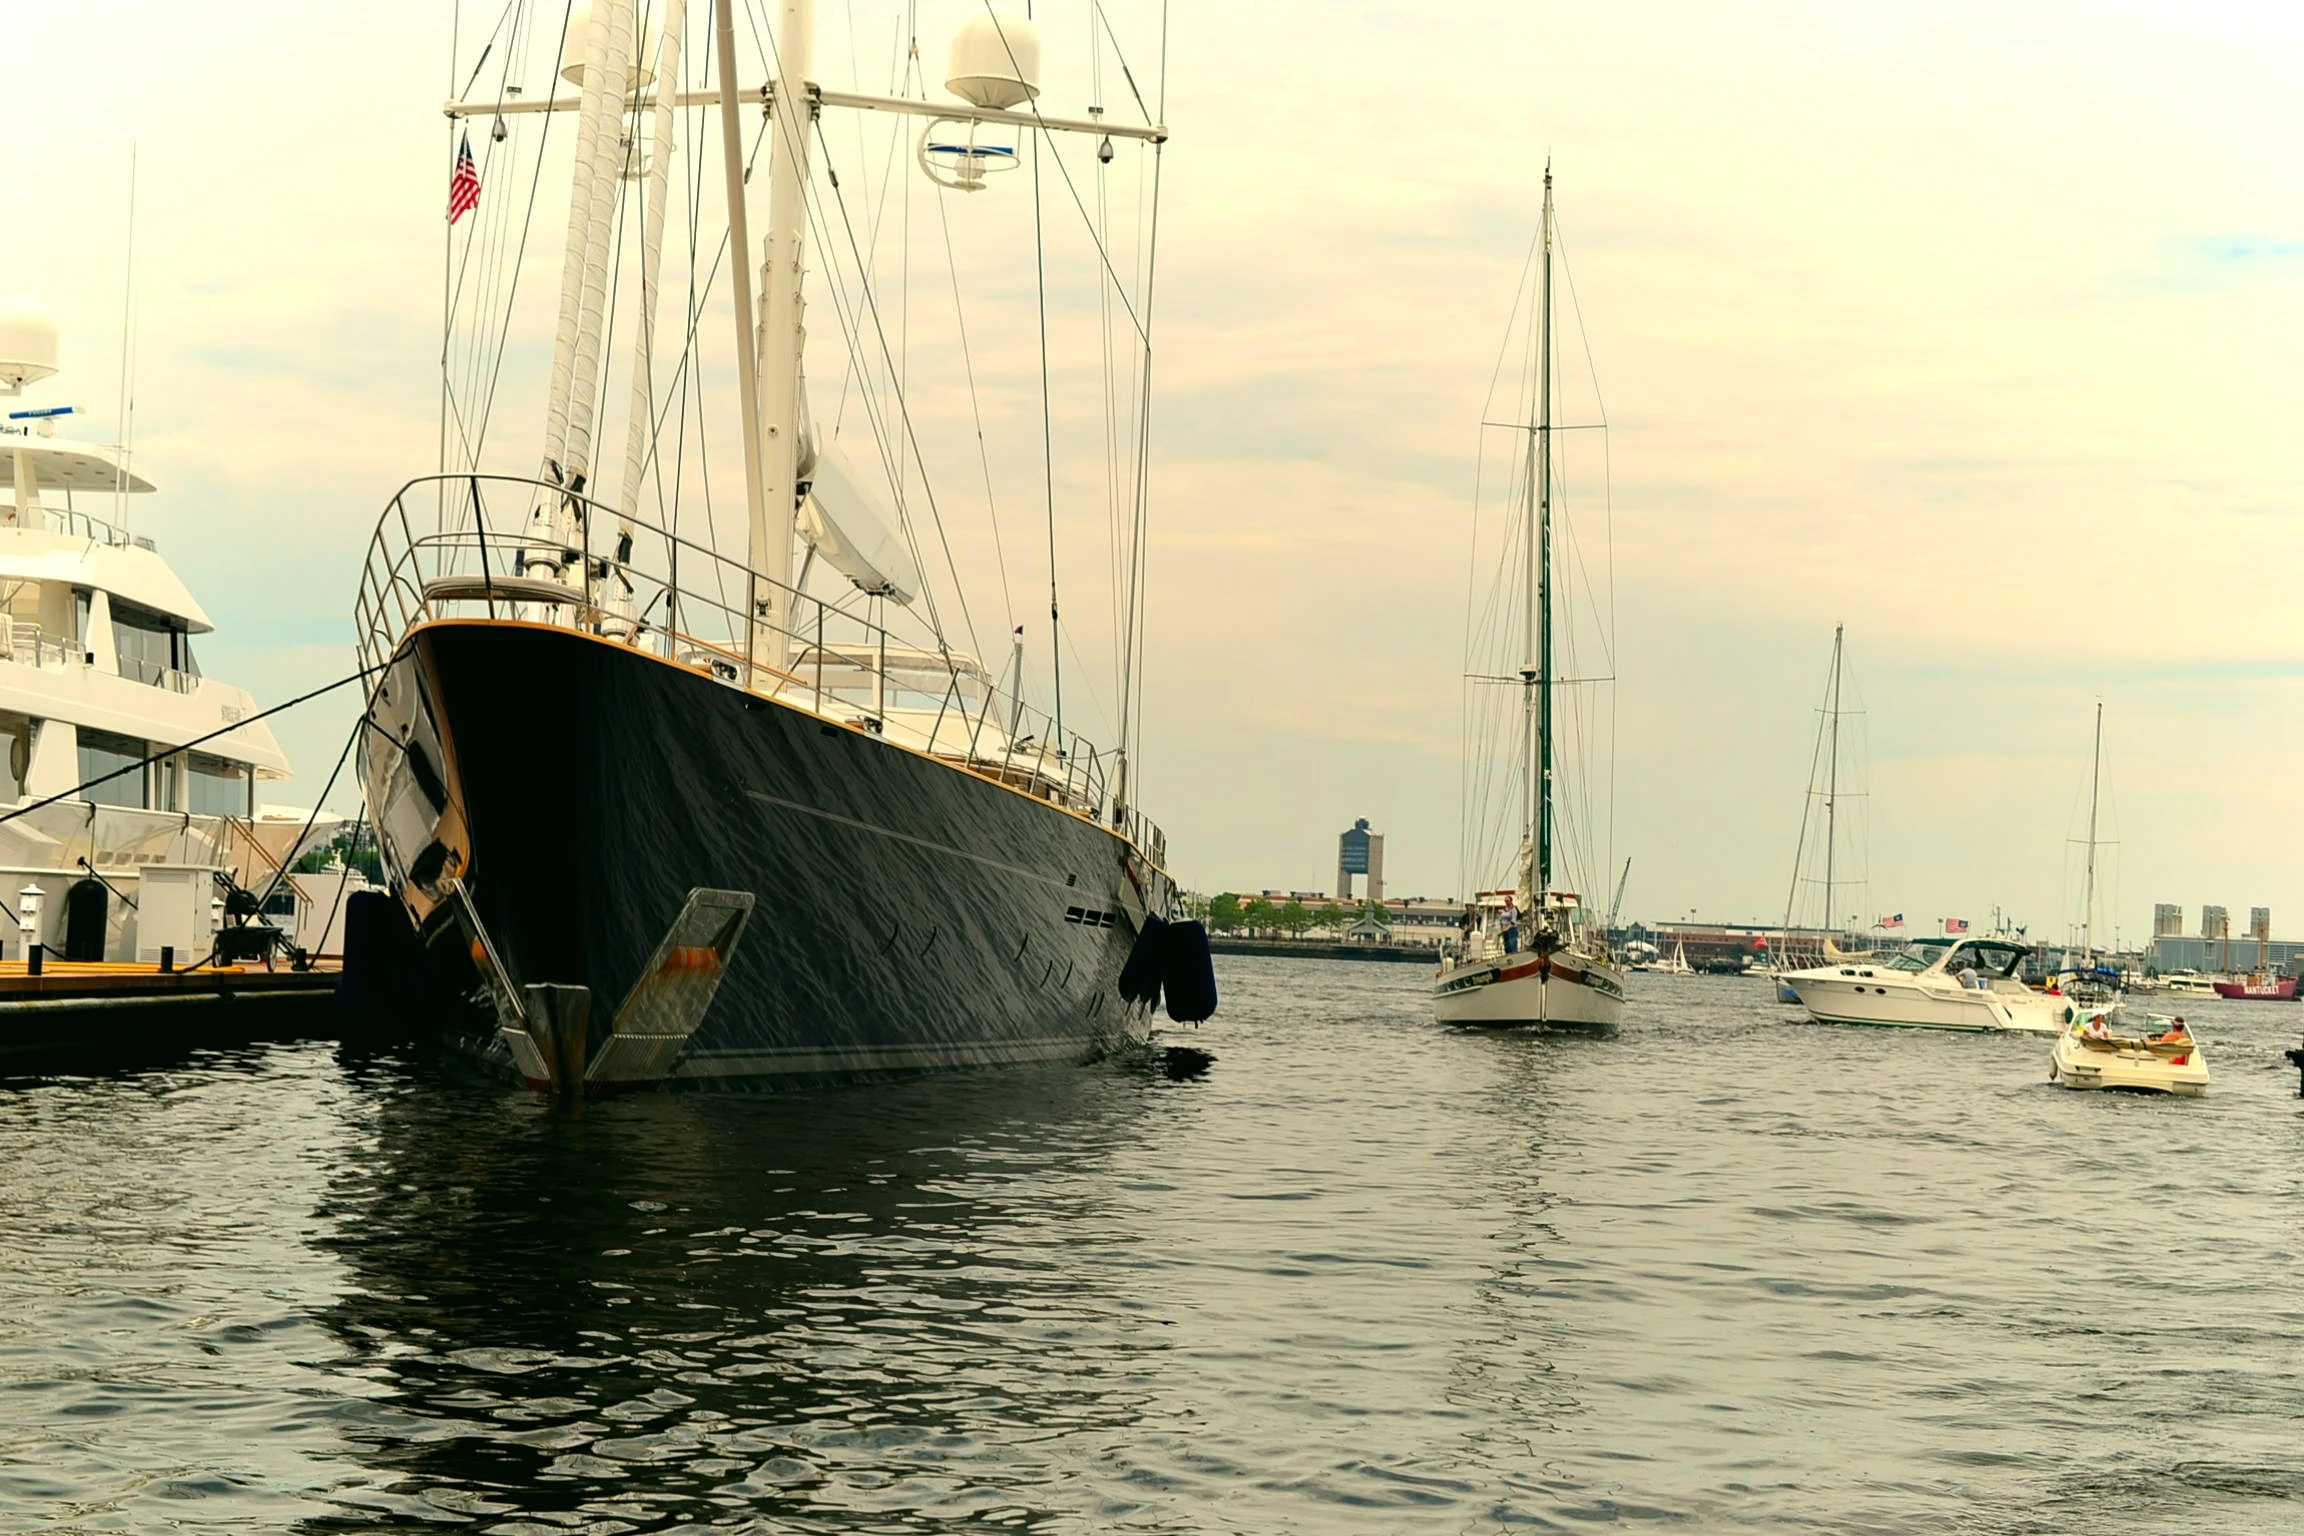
(1047, 441)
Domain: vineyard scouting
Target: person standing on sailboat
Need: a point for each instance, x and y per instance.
(1511, 925)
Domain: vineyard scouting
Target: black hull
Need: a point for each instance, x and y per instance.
(910, 915)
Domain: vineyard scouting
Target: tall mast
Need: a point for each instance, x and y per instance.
(1541, 551)
(2095, 776)
(636, 428)
(1832, 781)
(780, 340)
(740, 274)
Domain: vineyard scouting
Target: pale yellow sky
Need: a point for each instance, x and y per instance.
(1972, 326)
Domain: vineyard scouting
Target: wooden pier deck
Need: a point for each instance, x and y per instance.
(95, 1011)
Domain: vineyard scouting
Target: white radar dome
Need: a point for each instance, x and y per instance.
(579, 39)
(27, 343)
(995, 61)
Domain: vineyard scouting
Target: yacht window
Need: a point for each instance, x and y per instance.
(148, 644)
(103, 756)
(221, 787)
(1910, 960)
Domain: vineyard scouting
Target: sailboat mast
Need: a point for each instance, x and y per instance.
(2095, 778)
(740, 270)
(782, 267)
(1542, 542)
(1832, 782)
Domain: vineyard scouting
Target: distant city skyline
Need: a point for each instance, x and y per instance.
(1971, 329)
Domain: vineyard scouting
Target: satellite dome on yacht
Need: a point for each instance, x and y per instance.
(97, 674)
(995, 62)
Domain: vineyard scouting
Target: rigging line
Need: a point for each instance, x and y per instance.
(810, 192)
(1120, 55)
(197, 741)
(904, 413)
(1115, 537)
(845, 311)
(486, 232)
(976, 410)
(856, 370)
(1047, 436)
(280, 871)
(1041, 132)
(527, 225)
(1138, 588)
(490, 243)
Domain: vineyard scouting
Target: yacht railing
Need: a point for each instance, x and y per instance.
(158, 674)
(32, 646)
(80, 525)
(511, 548)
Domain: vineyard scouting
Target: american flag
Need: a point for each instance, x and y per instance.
(1955, 925)
(464, 185)
(1893, 922)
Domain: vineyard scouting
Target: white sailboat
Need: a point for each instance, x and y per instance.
(1817, 868)
(1550, 967)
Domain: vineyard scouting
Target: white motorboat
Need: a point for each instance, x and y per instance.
(2097, 1051)
(1550, 967)
(149, 786)
(1968, 984)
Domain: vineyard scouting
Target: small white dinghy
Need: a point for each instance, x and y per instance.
(2095, 1052)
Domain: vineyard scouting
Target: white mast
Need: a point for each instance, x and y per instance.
(636, 430)
(781, 337)
(584, 268)
(2095, 778)
(740, 269)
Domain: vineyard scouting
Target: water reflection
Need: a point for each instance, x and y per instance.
(675, 1308)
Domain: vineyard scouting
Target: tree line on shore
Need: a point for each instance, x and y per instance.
(1262, 918)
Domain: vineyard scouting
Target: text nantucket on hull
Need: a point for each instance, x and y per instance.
(1550, 967)
(776, 828)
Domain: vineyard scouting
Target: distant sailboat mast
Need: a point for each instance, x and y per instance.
(2088, 900)
(1832, 781)
(1536, 667)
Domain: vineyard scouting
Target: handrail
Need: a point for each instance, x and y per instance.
(908, 692)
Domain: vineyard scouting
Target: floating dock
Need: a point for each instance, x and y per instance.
(72, 1011)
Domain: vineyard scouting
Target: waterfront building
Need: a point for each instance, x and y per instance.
(1360, 852)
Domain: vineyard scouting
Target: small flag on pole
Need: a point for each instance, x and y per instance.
(464, 185)
(1893, 922)
(1955, 925)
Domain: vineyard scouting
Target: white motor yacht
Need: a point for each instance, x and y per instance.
(2109, 1049)
(97, 674)
(2183, 984)
(1967, 984)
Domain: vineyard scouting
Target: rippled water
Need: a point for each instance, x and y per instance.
(1727, 1269)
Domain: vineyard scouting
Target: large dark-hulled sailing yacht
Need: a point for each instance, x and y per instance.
(780, 824)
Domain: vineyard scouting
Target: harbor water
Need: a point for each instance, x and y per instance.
(1727, 1271)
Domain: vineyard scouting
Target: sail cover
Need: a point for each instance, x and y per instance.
(848, 526)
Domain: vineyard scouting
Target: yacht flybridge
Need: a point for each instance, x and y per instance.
(606, 750)
(97, 673)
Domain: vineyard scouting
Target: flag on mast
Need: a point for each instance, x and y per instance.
(1955, 925)
(1893, 922)
(464, 184)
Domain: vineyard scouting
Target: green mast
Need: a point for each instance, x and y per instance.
(1538, 674)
